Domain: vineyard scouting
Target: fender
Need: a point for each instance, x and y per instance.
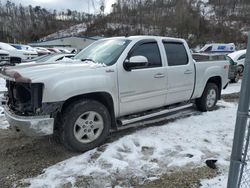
(203, 77)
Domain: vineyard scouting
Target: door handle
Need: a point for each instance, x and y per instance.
(159, 75)
(188, 72)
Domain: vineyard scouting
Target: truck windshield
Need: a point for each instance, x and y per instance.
(104, 51)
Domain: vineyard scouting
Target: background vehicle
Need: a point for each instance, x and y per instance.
(64, 50)
(42, 51)
(113, 84)
(218, 48)
(239, 58)
(4, 57)
(17, 56)
(51, 58)
(234, 73)
(17, 46)
(54, 50)
(30, 50)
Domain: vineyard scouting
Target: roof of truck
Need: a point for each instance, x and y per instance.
(139, 37)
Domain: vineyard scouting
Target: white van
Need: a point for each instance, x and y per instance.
(218, 48)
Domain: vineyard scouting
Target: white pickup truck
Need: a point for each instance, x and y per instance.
(113, 84)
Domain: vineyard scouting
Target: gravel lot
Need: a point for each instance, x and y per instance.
(24, 157)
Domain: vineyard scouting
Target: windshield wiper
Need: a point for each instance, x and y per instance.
(88, 60)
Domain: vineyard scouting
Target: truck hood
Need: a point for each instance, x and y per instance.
(42, 72)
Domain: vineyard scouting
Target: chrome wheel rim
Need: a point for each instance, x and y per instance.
(211, 98)
(88, 127)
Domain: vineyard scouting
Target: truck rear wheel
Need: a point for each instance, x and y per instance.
(85, 125)
(209, 98)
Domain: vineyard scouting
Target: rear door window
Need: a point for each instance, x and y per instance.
(176, 53)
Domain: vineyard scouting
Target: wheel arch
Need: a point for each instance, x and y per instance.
(103, 97)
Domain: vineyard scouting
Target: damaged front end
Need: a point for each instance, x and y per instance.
(24, 98)
(24, 109)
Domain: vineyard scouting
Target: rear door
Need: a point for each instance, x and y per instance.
(144, 88)
(180, 71)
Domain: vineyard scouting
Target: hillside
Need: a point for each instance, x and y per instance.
(198, 21)
(74, 30)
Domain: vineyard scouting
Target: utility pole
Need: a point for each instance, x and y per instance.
(240, 126)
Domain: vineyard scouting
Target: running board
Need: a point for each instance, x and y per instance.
(179, 114)
(124, 122)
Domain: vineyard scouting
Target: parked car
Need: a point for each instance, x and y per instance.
(32, 51)
(54, 50)
(234, 73)
(64, 50)
(239, 58)
(113, 84)
(23, 47)
(42, 51)
(17, 56)
(4, 57)
(51, 58)
(218, 48)
(17, 46)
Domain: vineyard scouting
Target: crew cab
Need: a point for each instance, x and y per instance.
(113, 84)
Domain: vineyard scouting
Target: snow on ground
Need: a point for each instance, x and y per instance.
(2, 85)
(150, 152)
(217, 182)
(74, 30)
(3, 123)
(232, 88)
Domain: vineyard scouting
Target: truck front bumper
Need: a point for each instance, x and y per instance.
(30, 125)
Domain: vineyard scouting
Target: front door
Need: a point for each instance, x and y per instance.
(145, 88)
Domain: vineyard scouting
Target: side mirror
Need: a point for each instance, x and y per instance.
(135, 62)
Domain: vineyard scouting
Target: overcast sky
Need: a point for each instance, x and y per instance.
(79, 5)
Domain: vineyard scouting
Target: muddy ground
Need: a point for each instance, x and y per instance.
(24, 157)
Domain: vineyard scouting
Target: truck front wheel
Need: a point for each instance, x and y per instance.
(85, 125)
(209, 98)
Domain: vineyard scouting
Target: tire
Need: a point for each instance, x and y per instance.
(240, 69)
(209, 98)
(236, 78)
(85, 125)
